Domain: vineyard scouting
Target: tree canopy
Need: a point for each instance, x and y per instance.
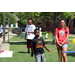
(40, 16)
(12, 19)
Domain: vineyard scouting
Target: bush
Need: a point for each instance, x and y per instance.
(10, 29)
(44, 33)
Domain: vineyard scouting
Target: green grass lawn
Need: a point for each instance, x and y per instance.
(19, 51)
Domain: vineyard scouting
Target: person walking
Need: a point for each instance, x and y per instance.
(29, 33)
(37, 45)
(61, 35)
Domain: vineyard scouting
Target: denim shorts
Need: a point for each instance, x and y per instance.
(66, 45)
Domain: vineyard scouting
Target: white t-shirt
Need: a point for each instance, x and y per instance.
(30, 28)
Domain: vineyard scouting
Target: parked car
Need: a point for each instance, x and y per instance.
(16, 30)
(1, 30)
(6, 30)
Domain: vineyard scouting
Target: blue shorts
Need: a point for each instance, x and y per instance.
(66, 45)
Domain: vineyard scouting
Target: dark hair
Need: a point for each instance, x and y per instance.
(61, 20)
(64, 21)
(36, 29)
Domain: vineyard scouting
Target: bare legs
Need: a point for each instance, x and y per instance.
(64, 54)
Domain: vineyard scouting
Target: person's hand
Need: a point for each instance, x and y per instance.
(48, 50)
(60, 45)
(29, 32)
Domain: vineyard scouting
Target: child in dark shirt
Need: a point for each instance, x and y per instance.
(37, 45)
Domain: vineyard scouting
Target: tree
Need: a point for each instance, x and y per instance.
(12, 19)
(40, 16)
(24, 16)
(57, 15)
(60, 15)
(43, 16)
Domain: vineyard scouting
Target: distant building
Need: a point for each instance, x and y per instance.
(49, 26)
(12, 25)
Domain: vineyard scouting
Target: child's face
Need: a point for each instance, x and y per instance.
(37, 33)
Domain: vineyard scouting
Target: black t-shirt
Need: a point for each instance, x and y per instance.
(37, 45)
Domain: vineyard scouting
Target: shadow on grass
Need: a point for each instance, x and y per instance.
(17, 43)
(49, 42)
(24, 43)
(71, 54)
(21, 52)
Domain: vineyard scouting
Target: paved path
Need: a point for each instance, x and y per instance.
(11, 35)
(72, 35)
(6, 37)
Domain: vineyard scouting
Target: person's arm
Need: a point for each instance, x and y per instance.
(56, 37)
(30, 31)
(31, 51)
(45, 45)
(46, 48)
(65, 39)
(67, 33)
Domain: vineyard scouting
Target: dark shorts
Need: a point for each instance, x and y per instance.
(28, 43)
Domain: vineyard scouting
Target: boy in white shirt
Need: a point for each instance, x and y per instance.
(29, 34)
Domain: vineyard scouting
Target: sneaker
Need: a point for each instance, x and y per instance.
(27, 52)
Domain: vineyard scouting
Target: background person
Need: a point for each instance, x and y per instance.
(40, 29)
(61, 35)
(29, 34)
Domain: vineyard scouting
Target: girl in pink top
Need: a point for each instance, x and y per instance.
(61, 35)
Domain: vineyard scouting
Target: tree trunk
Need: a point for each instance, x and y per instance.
(54, 28)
